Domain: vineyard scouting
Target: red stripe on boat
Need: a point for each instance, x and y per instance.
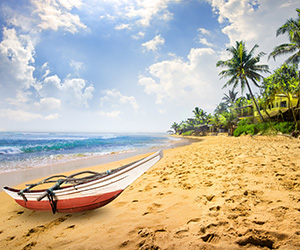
(72, 205)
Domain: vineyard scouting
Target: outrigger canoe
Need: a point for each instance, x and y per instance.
(80, 194)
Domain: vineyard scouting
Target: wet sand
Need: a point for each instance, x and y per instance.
(218, 193)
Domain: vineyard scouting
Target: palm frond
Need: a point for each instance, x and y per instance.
(231, 81)
(292, 28)
(242, 65)
(222, 63)
(294, 59)
(283, 49)
(287, 27)
(251, 52)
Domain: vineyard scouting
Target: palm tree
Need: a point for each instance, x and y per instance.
(175, 126)
(222, 107)
(292, 28)
(241, 66)
(215, 121)
(228, 119)
(200, 115)
(230, 99)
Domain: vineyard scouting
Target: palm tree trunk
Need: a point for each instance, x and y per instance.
(252, 96)
(293, 112)
(270, 118)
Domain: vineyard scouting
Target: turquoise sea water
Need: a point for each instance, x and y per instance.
(28, 150)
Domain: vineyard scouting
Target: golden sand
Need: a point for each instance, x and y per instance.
(218, 193)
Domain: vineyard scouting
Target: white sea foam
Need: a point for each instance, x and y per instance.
(9, 150)
(21, 151)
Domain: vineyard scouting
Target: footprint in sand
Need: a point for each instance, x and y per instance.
(29, 245)
(153, 208)
(256, 241)
(10, 238)
(181, 232)
(211, 238)
(150, 236)
(17, 214)
(262, 238)
(44, 228)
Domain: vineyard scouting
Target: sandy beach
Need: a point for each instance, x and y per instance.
(218, 193)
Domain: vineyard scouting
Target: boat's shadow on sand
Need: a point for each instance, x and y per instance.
(44, 221)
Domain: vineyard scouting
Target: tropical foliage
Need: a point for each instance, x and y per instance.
(246, 128)
(292, 28)
(242, 68)
(283, 81)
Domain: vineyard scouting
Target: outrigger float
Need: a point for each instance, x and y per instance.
(91, 191)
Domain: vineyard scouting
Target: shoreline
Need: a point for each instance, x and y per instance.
(217, 193)
(14, 178)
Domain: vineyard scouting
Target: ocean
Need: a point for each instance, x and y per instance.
(21, 151)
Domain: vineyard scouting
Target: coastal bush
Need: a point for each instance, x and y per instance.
(244, 122)
(244, 127)
(245, 130)
(285, 127)
(188, 133)
(264, 128)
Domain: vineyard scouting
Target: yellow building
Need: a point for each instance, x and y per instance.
(279, 105)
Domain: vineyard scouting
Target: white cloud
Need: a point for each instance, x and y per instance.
(45, 69)
(122, 26)
(114, 97)
(48, 103)
(76, 91)
(55, 14)
(16, 59)
(18, 86)
(70, 4)
(115, 114)
(255, 22)
(18, 19)
(139, 35)
(189, 83)
(24, 116)
(152, 87)
(130, 100)
(76, 66)
(147, 10)
(113, 104)
(205, 42)
(19, 115)
(154, 43)
(52, 116)
(21, 98)
(71, 91)
(137, 12)
(204, 31)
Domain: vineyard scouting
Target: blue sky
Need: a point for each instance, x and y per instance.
(123, 65)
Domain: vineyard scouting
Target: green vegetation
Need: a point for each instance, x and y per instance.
(243, 68)
(188, 133)
(292, 29)
(245, 128)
